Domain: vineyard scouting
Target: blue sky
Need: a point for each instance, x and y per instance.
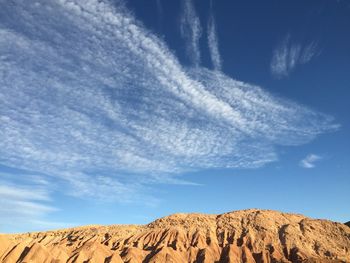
(118, 112)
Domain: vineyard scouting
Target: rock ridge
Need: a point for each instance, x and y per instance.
(250, 236)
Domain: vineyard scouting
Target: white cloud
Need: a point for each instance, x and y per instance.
(190, 28)
(89, 96)
(310, 51)
(213, 42)
(309, 161)
(20, 204)
(288, 55)
(18, 193)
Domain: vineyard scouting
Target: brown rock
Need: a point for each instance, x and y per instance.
(36, 253)
(6, 243)
(247, 236)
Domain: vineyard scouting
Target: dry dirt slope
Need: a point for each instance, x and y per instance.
(241, 236)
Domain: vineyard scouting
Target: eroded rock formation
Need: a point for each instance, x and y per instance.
(250, 236)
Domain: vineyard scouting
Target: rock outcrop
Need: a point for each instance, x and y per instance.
(249, 236)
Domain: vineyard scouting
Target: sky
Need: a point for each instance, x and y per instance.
(121, 112)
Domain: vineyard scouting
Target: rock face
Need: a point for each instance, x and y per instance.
(348, 224)
(249, 236)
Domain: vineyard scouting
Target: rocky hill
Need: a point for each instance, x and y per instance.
(250, 236)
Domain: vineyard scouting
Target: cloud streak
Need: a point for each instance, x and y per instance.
(191, 31)
(213, 41)
(310, 160)
(89, 96)
(23, 204)
(288, 55)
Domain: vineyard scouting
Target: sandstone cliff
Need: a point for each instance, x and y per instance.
(243, 236)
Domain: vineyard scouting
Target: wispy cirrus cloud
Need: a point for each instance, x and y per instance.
(159, 13)
(288, 55)
(213, 41)
(89, 96)
(159, 7)
(310, 160)
(23, 203)
(191, 31)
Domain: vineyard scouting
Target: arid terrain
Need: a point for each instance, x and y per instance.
(242, 236)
